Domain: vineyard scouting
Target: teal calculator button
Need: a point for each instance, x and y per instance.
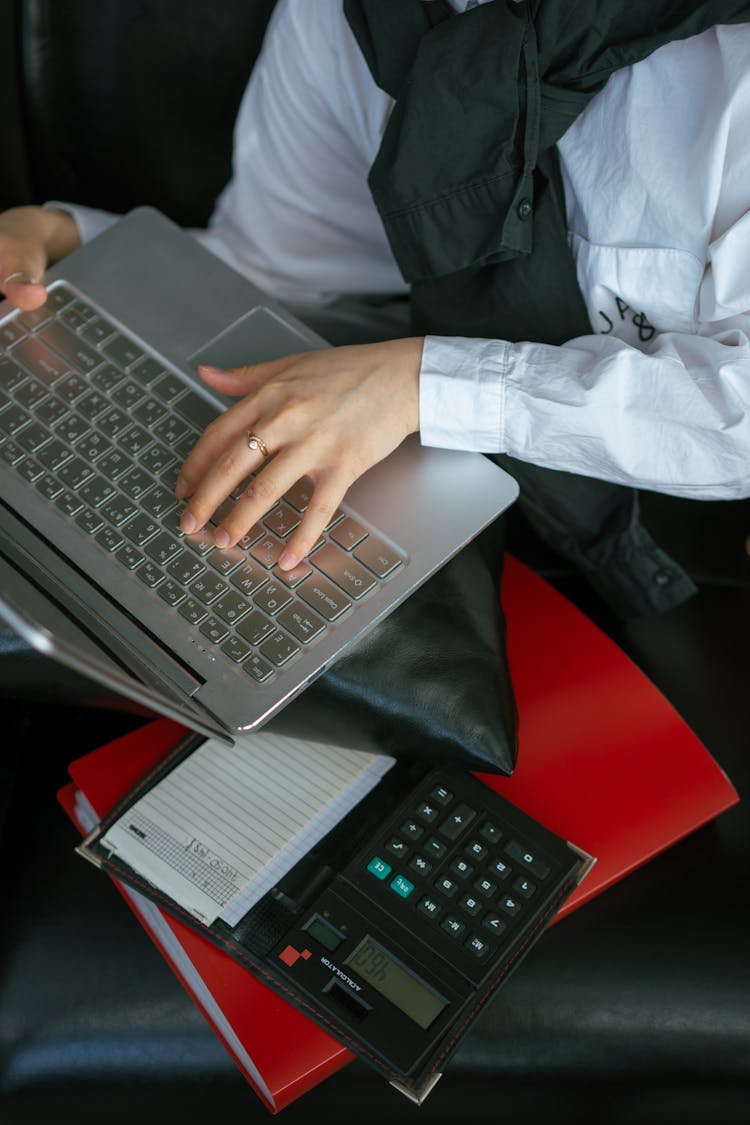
(379, 868)
(402, 886)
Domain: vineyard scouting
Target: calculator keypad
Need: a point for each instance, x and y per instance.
(461, 868)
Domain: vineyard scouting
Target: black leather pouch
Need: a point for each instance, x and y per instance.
(431, 680)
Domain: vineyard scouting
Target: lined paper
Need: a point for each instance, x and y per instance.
(227, 823)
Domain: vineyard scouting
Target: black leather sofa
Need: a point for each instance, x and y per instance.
(635, 1009)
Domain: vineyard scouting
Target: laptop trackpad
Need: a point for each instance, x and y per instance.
(257, 336)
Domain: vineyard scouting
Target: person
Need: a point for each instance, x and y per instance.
(651, 390)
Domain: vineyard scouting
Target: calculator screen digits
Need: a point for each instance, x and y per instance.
(395, 982)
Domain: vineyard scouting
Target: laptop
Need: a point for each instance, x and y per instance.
(100, 404)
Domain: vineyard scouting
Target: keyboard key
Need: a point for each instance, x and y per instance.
(524, 887)
(266, 551)
(299, 494)
(494, 923)
(185, 568)
(11, 332)
(471, 905)
(123, 352)
(509, 905)
(477, 946)
(258, 668)
(193, 611)
(235, 649)
(348, 533)
(71, 387)
(324, 597)
(169, 387)
(142, 530)
(398, 848)
(195, 410)
(231, 608)
(128, 394)
(282, 520)
(279, 648)
(528, 859)
(214, 630)
(379, 868)
(455, 823)
(430, 908)
(164, 549)
(75, 351)
(150, 574)
(453, 926)
(129, 556)
(97, 491)
(248, 577)
(401, 886)
(342, 570)
(272, 597)
(255, 627)
(39, 359)
(11, 375)
(301, 623)
(420, 865)
(171, 593)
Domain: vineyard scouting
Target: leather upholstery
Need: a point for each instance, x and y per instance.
(636, 1008)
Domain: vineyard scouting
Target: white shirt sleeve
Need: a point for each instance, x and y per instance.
(674, 418)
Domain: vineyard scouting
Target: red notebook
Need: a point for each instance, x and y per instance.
(604, 761)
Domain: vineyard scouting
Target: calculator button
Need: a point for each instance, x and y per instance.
(524, 887)
(475, 850)
(402, 886)
(509, 905)
(447, 886)
(441, 796)
(453, 926)
(532, 862)
(461, 869)
(500, 869)
(455, 822)
(427, 812)
(431, 908)
(419, 864)
(494, 923)
(471, 905)
(379, 868)
(435, 848)
(490, 832)
(411, 830)
(397, 847)
(486, 887)
(478, 947)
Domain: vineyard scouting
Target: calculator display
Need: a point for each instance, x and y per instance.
(394, 981)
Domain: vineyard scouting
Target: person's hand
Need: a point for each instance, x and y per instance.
(328, 415)
(31, 238)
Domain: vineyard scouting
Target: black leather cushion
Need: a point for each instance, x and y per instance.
(134, 103)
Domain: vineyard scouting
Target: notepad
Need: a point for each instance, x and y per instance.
(227, 823)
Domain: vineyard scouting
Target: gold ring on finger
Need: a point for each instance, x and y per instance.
(256, 444)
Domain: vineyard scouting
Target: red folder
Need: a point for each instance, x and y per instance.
(604, 761)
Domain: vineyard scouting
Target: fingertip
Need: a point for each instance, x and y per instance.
(288, 560)
(26, 295)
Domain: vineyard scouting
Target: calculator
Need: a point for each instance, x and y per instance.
(399, 949)
(398, 928)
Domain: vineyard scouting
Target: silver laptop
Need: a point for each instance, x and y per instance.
(100, 404)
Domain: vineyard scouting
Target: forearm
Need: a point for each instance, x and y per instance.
(675, 419)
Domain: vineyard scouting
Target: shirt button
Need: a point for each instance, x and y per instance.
(662, 578)
(524, 209)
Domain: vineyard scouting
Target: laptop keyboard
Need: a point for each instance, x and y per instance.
(99, 427)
